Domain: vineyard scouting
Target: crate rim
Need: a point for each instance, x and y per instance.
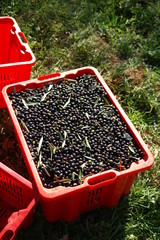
(49, 194)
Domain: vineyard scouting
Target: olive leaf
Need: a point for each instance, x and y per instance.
(64, 141)
(79, 137)
(127, 136)
(80, 174)
(44, 96)
(33, 104)
(96, 102)
(40, 145)
(40, 163)
(87, 157)
(87, 115)
(50, 87)
(87, 143)
(73, 175)
(131, 149)
(106, 101)
(85, 127)
(132, 157)
(104, 110)
(66, 104)
(83, 165)
(25, 104)
(53, 149)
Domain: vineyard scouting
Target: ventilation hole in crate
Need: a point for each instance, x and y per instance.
(2, 212)
(11, 188)
(6, 79)
(6, 211)
(94, 196)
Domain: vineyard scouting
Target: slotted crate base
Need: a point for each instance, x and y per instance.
(17, 202)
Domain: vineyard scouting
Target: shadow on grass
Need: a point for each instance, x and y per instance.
(99, 224)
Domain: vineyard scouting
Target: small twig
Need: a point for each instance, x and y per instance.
(47, 172)
(24, 126)
(64, 180)
(69, 80)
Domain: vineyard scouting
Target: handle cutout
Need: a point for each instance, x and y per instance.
(13, 30)
(23, 50)
(8, 235)
(22, 37)
(41, 78)
(102, 178)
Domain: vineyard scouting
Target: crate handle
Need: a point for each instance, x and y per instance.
(22, 37)
(13, 30)
(102, 178)
(8, 235)
(53, 75)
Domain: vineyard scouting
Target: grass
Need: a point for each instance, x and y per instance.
(120, 39)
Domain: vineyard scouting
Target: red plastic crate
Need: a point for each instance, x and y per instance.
(102, 189)
(16, 58)
(17, 203)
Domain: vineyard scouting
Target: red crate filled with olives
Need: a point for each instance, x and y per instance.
(79, 145)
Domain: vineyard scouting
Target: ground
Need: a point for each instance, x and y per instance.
(120, 39)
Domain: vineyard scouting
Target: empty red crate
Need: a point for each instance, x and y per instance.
(17, 203)
(16, 58)
(102, 189)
